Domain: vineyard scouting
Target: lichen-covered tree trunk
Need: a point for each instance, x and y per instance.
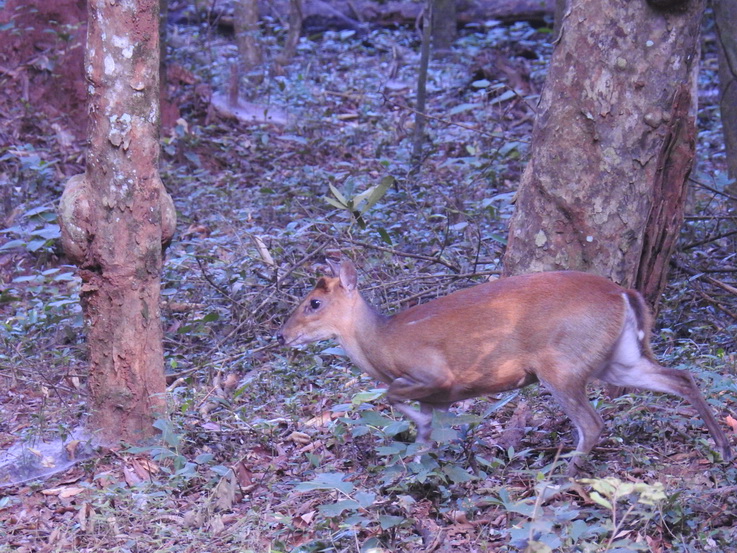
(613, 145)
(115, 218)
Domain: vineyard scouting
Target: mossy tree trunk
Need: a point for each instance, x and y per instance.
(613, 145)
(116, 217)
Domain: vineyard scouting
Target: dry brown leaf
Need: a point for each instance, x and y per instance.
(70, 491)
(242, 475)
(144, 468)
(216, 524)
(320, 420)
(458, 516)
(299, 438)
(311, 447)
(263, 251)
(71, 449)
(231, 383)
(83, 516)
(732, 422)
(224, 492)
(130, 476)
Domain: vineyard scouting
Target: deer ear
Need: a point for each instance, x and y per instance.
(334, 265)
(348, 275)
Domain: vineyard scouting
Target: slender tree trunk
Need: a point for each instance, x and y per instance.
(294, 32)
(246, 32)
(115, 218)
(612, 146)
(419, 134)
(444, 25)
(725, 15)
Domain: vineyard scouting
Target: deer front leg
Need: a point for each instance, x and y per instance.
(405, 389)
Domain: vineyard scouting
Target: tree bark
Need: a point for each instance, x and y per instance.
(444, 26)
(725, 15)
(419, 135)
(115, 218)
(612, 146)
(246, 33)
(293, 33)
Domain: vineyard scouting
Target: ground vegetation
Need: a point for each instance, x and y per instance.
(269, 449)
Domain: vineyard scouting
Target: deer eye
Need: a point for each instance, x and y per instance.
(315, 304)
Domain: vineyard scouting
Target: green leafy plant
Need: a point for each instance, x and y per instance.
(359, 204)
(37, 234)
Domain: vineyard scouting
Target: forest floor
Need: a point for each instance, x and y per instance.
(269, 449)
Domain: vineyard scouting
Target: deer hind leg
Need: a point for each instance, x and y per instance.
(575, 403)
(631, 368)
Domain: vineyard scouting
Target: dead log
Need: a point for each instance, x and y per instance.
(359, 15)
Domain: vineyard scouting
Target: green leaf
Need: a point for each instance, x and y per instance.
(335, 203)
(35, 245)
(49, 232)
(457, 475)
(365, 499)
(444, 434)
(463, 108)
(13, 244)
(508, 95)
(598, 498)
(338, 196)
(336, 509)
(396, 427)
(385, 236)
(211, 317)
(375, 193)
(372, 418)
(395, 448)
(327, 481)
(389, 521)
(367, 396)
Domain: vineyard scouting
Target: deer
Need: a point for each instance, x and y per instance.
(562, 329)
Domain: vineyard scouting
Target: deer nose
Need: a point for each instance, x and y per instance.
(280, 339)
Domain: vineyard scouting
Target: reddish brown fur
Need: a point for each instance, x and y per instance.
(561, 328)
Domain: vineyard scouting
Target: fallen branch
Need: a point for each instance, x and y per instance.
(701, 276)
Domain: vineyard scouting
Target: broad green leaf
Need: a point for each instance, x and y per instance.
(463, 108)
(396, 427)
(457, 475)
(508, 95)
(336, 509)
(389, 521)
(212, 316)
(35, 245)
(335, 203)
(49, 232)
(598, 498)
(327, 481)
(338, 195)
(13, 244)
(367, 396)
(365, 499)
(377, 192)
